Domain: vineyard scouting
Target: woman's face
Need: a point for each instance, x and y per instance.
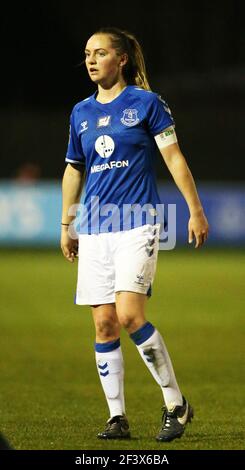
(104, 65)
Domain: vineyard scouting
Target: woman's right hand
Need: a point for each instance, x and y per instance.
(69, 246)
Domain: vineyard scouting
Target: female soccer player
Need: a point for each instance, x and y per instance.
(113, 138)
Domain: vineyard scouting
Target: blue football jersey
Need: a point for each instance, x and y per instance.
(115, 141)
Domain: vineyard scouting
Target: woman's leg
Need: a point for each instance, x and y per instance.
(109, 361)
(108, 356)
(130, 307)
(135, 264)
(107, 327)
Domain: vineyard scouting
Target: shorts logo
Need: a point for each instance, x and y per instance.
(104, 121)
(140, 279)
(130, 117)
(104, 146)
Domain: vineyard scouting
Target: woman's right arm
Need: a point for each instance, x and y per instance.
(72, 184)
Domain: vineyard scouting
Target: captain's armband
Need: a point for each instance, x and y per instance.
(166, 137)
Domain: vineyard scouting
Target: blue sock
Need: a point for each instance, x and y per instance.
(143, 333)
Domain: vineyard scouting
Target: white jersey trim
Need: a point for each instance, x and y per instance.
(68, 160)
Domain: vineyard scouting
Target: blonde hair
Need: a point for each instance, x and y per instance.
(134, 71)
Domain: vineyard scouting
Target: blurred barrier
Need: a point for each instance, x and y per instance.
(224, 206)
(30, 213)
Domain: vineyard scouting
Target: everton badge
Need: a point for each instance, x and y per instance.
(130, 117)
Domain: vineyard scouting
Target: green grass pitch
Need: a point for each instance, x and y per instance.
(50, 393)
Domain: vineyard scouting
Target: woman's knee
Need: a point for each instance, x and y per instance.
(131, 323)
(105, 327)
(106, 324)
(130, 310)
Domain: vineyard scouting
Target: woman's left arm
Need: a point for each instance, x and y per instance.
(176, 163)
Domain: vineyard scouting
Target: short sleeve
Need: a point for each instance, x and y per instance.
(159, 116)
(74, 152)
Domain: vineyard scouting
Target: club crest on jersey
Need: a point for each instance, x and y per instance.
(130, 117)
(104, 121)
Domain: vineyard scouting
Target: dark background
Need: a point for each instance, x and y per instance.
(195, 57)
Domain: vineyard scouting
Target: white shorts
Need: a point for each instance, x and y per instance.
(116, 261)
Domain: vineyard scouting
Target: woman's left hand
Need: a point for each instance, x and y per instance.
(198, 229)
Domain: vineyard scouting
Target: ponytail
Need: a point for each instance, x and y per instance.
(134, 71)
